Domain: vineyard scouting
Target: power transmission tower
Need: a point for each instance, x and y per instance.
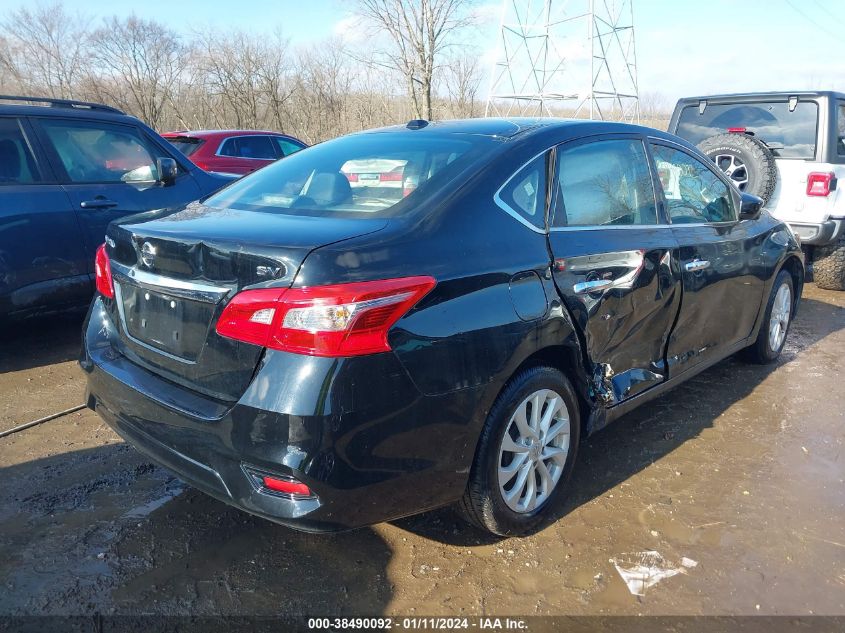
(566, 58)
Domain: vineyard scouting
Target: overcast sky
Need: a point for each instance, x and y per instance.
(684, 47)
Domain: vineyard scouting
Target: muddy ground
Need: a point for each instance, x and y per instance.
(740, 469)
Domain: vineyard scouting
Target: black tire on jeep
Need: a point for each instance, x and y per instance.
(829, 265)
(746, 160)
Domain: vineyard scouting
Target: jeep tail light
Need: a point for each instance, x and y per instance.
(821, 183)
(102, 273)
(338, 320)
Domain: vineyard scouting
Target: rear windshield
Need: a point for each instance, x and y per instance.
(788, 134)
(186, 144)
(363, 175)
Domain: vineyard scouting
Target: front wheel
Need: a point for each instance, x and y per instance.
(776, 322)
(525, 454)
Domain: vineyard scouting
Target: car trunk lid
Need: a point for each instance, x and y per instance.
(175, 272)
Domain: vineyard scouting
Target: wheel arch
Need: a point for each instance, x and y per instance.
(795, 267)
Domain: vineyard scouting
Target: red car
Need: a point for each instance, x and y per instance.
(233, 151)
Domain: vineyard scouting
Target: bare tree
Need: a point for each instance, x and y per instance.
(420, 31)
(46, 48)
(462, 79)
(137, 65)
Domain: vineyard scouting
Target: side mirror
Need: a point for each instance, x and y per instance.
(167, 171)
(750, 207)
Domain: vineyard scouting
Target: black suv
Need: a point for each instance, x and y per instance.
(328, 355)
(67, 169)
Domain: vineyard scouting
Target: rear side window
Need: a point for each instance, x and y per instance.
(364, 174)
(94, 152)
(604, 183)
(788, 134)
(840, 129)
(249, 147)
(17, 165)
(285, 147)
(524, 194)
(694, 194)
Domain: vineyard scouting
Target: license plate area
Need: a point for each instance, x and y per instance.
(171, 324)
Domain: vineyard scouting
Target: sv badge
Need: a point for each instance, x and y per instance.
(272, 272)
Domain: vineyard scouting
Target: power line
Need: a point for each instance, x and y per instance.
(822, 28)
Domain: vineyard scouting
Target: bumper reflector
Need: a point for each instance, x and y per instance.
(287, 486)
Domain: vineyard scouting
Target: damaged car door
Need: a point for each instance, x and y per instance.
(613, 262)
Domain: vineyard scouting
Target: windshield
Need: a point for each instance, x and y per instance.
(358, 175)
(186, 144)
(788, 134)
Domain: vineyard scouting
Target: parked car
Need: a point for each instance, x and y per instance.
(235, 152)
(68, 168)
(787, 148)
(297, 350)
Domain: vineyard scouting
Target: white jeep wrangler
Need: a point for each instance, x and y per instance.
(787, 148)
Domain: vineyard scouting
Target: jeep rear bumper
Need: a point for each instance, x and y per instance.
(819, 234)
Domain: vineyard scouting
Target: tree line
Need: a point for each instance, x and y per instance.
(401, 60)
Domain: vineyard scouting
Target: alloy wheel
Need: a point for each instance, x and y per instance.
(734, 169)
(533, 451)
(779, 319)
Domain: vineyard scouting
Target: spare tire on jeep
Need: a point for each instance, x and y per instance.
(746, 161)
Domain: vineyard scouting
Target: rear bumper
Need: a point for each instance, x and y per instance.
(819, 234)
(356, 431)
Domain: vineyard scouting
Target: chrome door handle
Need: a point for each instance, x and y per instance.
(98, 203)
(586, 287)
(696, 265)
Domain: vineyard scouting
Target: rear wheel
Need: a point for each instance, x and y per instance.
(525, 454)
(776, 321)
(747, 161)
(829, 265)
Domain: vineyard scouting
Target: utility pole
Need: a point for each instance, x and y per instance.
(574, 58)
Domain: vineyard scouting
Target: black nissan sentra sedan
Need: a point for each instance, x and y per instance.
(327, 348)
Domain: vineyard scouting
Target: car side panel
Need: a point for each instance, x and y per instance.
(720, 303)
(42, 259)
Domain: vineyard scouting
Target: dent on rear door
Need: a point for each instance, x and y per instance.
(627, 317)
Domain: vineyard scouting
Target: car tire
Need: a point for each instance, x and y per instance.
(747, 161)
(484, 503)
(829, 265)
(768, 347)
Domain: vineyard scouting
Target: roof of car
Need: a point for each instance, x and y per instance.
(751, 96)
(221, 133)
(505, 128)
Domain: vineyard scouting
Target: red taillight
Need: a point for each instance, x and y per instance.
(821, 183)
(352, 177)
(339, 320)
(390, 176)
(287, 486)
(736, 130)
(102, 273)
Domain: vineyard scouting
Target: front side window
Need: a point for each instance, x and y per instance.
(788, 133)
(604, 183)
(92, 152)
(17, 165)
(525, 192)
(694, 194)
(374, 174)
